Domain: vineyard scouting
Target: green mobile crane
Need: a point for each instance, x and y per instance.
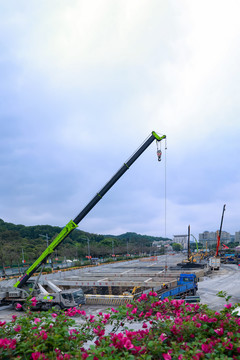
(22, 285)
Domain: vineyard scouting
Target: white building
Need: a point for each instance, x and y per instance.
(181, 239)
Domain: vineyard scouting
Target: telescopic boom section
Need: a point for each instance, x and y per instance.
(220, 231)
(73, 223)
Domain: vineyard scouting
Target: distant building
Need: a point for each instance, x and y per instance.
(181, 239)
(161, 243)
(237, 236)
(211, 237)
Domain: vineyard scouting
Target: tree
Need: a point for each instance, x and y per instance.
(177, 247)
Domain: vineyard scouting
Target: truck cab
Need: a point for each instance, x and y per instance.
(64, 299)
(187, 278)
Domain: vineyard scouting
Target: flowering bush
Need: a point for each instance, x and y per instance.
(146, 329)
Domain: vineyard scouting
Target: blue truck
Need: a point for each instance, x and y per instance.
(186, 285)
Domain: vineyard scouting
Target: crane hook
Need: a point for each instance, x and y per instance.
(159, 154)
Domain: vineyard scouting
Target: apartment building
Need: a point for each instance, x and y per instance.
(211, 237)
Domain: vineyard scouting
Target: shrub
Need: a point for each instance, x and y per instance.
(168, 330)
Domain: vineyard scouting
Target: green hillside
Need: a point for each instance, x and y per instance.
(18, 241)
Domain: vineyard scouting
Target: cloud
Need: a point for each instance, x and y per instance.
(84, 83)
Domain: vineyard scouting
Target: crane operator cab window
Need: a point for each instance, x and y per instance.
(67, 297)
(79, 297)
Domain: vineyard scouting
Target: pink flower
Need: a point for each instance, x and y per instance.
(17, 328)
(114, 310)
(180, 357)
(128, 344)
(19, 306)
(91, 318)
(84, 355)
(206, 348)
(178, 320)
(37, 355)
(198, 356)
(143, 297)
(144, 325)
(33, 301)
(43, 334)
(2, 323)
(36, 320)
(167, 356)
(134, 311)
(228, 306)
(8, 343)
(220, 331)
(136, 350)
(14, 318)
(54, 315)
(163, 337)
(129, 305)
(174, 329)
(98, 331)
(82, 312)
(229, 346)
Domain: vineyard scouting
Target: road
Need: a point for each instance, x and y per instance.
(226, 279)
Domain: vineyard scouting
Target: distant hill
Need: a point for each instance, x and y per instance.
(19, 240)
(135, 236)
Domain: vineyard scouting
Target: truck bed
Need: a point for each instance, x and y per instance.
(178, 290)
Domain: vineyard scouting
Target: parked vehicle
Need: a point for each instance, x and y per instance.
(47, 296)
(214, 263)
(186, 285)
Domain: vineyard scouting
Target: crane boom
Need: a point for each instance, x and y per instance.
(72, 224)
(220, 232)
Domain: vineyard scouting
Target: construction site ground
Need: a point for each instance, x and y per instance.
(226, 279)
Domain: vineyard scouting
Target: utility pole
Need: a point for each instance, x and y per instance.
(88, 248)
(23, 261)
(45, 236)
(88, 245)
(189, 242)
(112, 247)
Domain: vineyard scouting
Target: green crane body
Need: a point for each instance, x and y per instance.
(73, 223)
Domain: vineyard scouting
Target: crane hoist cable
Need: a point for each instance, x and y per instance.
(159, 155)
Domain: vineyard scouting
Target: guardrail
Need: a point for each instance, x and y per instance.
(108, 299)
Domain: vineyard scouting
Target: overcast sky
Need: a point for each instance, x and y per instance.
(83, 84)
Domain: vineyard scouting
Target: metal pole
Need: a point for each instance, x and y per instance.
(188, 242)
(45, 236)
(22, 256)
(88, 248)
